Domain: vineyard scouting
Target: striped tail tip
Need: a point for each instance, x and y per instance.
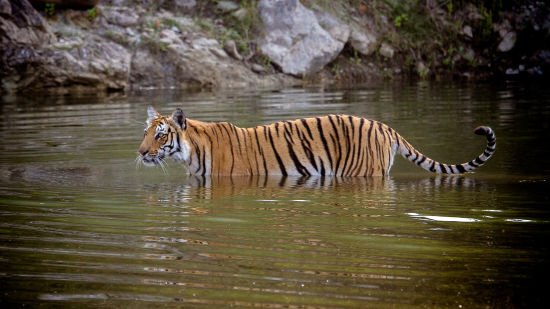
(483, 130)
(437, 167)
(487, 153)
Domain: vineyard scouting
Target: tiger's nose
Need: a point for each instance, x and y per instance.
(143, 151)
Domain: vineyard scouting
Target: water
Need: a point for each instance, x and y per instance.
(81, 226)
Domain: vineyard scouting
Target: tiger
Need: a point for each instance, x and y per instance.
(332, 145)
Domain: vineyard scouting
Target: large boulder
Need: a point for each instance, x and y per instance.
(295, 41)
(363, 40)
(119, 49)
(34, 58)
(194, 63)
(20, 24)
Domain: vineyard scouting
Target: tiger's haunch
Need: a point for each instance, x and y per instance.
(339, 145)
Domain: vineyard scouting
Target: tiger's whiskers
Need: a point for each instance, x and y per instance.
(139, 161)
(163, 165)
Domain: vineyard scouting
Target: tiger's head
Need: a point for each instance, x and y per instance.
(164, 137)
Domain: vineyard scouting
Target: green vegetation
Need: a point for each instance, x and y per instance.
(92, 13)
(49, 8)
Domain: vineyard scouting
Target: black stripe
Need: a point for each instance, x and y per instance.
(378, 150)
(416, 157)
(304, 122)
(306, 146)
(354, 145)
(421, 160)
(320, 129)
(323, 172)
(288, 128)
(432, 167)
(491, 144)
(230, 147)
(238, 138)
(380, 128)
(339, 148)
(203, 161)
(371, 153)
(345, 128)
(213, 130)
(479, 161)
(211, 157)
(360, 151)
(359, 147)
(198, 153)
(265, 132)
(443, 169)
(281, 165)
(299, 167)
(460, 168)
(247, 131)
(260, 151)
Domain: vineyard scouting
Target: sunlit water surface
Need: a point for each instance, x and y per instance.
(80, 225)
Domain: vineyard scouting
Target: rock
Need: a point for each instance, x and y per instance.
(21, 24)
(363, 41)
(469, 55)
(78, 4)
(123, 17)
(467, 32)
(240, 14)
(472, 13)
(511, 71)
(209, 45)
(386, 50)
(507, 43)
(231, 48)
(125, 47)
(194, 66)
(337, 29)
(185, 4)
(422, 69)
(258, 68)
(96, 65)
(5, 7)
(227, 6)
(503, 28)
(93, 66)
(293, 38)
(169, 36)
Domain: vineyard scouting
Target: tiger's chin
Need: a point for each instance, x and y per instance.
(150, 162)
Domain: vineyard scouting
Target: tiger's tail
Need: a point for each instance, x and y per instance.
(408, 151)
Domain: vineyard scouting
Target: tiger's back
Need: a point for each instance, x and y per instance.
(331, 145)
(338, 145)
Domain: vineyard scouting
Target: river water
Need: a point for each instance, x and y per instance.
(81, 225)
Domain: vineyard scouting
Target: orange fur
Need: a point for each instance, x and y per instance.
(337, 145)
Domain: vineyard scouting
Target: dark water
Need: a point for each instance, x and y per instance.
(80, 225)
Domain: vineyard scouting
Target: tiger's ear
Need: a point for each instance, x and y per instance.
(179, 118)
(152, 113)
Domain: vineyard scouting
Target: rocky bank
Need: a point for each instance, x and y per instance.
(120, 45)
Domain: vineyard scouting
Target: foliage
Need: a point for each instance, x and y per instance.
(49, 8)
(400, 19)
(92, 13)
